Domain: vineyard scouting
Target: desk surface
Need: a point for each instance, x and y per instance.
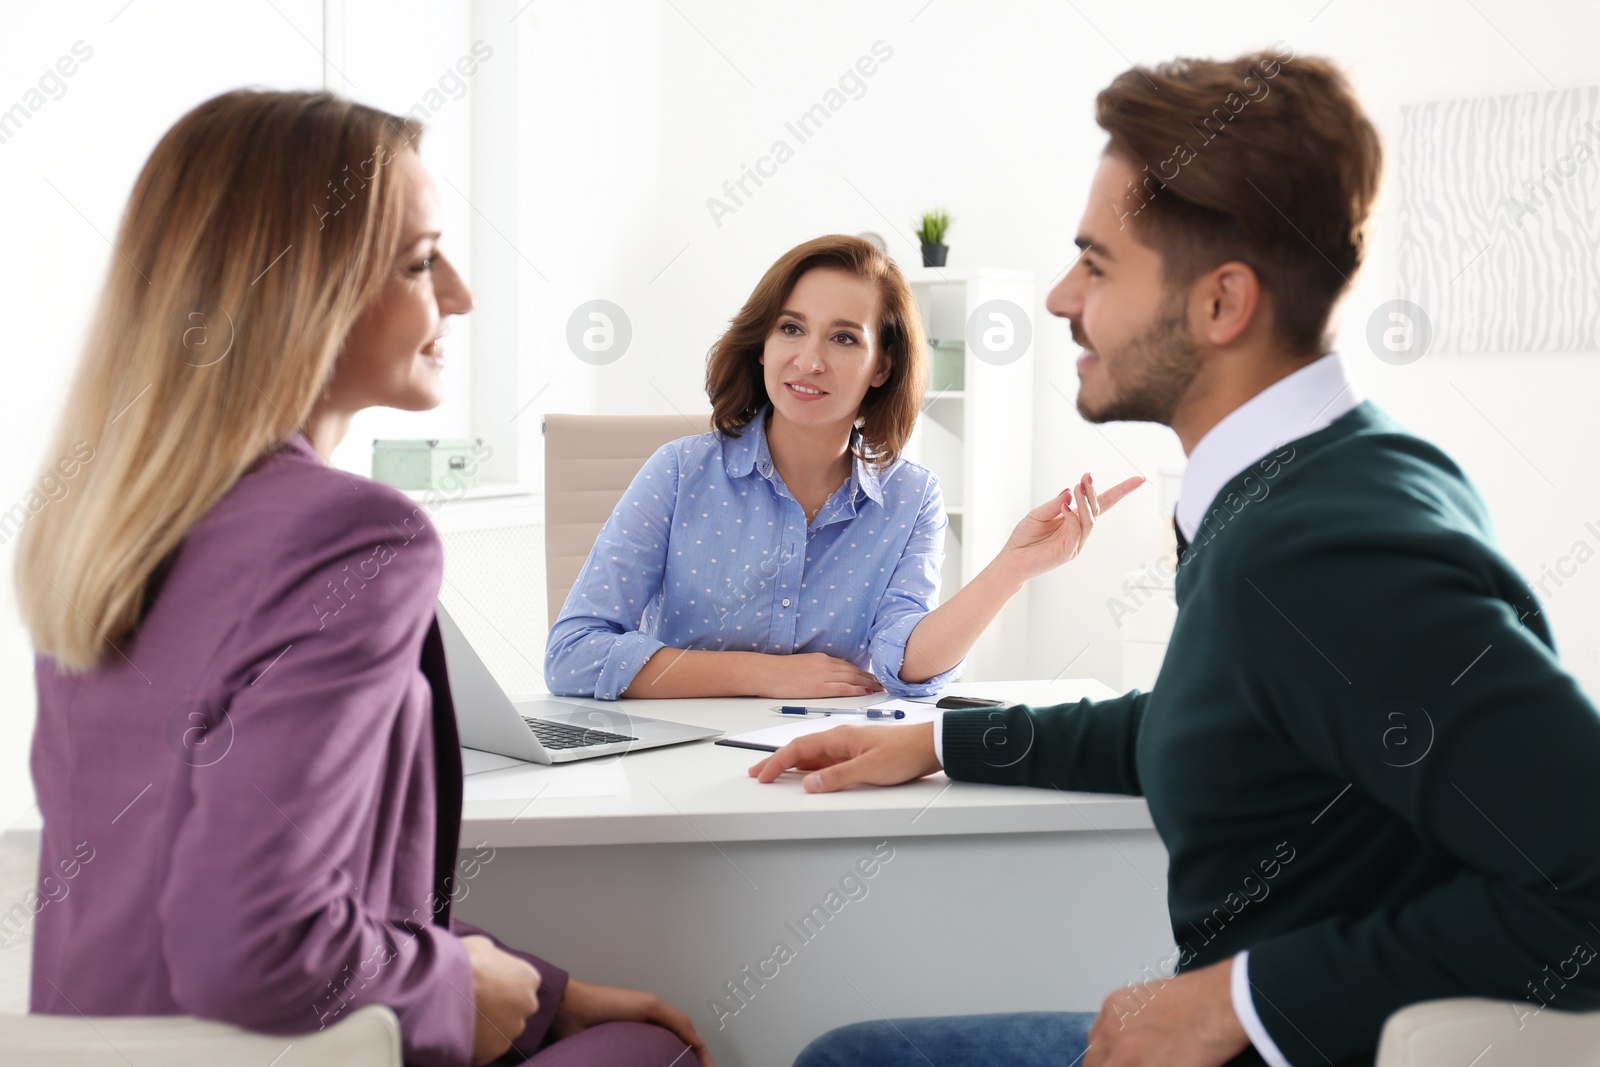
(700, 791)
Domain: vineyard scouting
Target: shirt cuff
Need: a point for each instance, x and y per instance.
(938, 736)
(887, 655)
(627, 656)
(1244, 1006)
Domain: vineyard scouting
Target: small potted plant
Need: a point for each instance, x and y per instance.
(931, 233)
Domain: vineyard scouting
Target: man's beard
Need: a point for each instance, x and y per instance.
(1153, 371)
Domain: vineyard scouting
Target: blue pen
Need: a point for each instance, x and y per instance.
(867, 713)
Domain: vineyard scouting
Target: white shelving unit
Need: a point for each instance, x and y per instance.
(977, 435)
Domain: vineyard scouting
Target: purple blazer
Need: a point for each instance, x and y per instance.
(251, 811)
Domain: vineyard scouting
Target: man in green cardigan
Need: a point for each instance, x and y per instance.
(1374, 780)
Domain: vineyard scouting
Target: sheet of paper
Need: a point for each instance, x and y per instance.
(600, 777)
(786, 728)
(475, 762)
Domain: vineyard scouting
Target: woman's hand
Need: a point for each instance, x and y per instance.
(1054, 532)
(505, 991)
(676, 672)
(586, 1004)
(1048, 536)
(813, 674)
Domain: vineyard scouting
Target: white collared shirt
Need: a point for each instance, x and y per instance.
(1290, 408)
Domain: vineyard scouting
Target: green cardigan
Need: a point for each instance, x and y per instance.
(1363, 756)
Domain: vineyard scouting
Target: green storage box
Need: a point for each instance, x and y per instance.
(427, 463)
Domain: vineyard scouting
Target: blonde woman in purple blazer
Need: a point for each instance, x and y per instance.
(246, 751)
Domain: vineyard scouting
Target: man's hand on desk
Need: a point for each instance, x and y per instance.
(854, 755)
(1187, 1021)
(586, 1004)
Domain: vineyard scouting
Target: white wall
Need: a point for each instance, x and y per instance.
(66, 173)
(633, 112)
(409, 57)
(590, 140)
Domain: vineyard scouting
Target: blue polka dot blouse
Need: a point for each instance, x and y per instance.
(709, 550)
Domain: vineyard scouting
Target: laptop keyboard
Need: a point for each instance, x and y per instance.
(564, 735)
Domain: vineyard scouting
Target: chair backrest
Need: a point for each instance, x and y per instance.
(589, 460)
(1488, 1033)
(368, 1037)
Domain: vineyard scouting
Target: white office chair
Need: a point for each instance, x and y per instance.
(1488, 1033)
(369, 1037)
(588, 462)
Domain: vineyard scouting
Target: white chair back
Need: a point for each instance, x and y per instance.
(369, 1037)
(1488, 1033)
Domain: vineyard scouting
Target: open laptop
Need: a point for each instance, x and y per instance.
(548, 729)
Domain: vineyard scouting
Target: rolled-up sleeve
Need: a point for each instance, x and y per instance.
(596, 646)
(913, 591)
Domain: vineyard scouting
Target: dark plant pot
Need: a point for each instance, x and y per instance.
(933, 255)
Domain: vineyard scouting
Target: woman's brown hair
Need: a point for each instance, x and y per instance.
(889, 411)
(260, 227)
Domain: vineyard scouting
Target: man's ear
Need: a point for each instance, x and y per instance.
(1231, 299)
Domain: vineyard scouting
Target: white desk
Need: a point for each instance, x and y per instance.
(673, 871)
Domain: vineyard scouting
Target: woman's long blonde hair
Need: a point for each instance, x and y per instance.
(259, 228)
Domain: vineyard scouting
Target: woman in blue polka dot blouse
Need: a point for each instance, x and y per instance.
(792, 552)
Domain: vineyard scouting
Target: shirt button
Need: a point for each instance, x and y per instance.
(785, 601)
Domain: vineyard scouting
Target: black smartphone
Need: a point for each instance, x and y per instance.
(950, 703)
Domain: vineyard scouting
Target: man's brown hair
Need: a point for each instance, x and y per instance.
(1266, 159)
(889, 411)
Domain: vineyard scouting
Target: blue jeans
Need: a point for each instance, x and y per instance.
(1023, 1039)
